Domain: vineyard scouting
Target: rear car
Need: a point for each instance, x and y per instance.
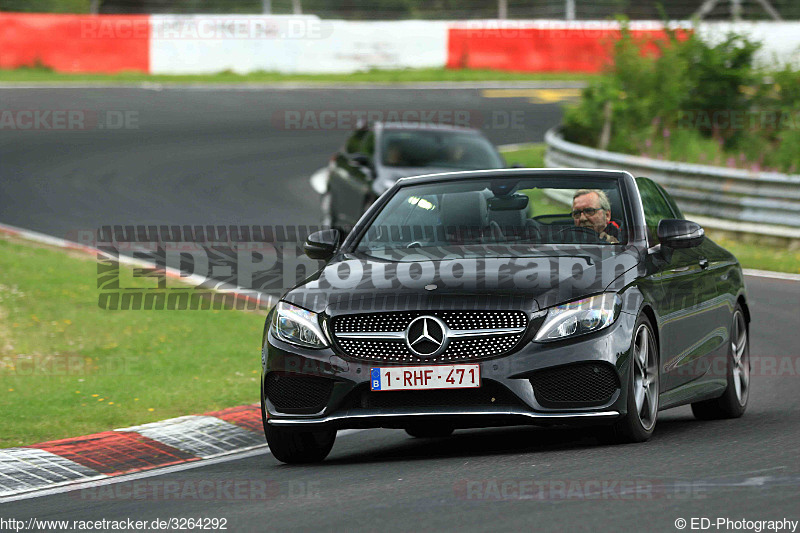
(376, 155)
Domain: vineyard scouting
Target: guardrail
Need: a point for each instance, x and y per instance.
(765, 203)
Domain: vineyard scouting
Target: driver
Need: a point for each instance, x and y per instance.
(394, 155)
(591, 209)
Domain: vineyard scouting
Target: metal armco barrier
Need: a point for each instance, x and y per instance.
(766, 203)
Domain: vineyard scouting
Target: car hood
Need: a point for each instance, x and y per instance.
(418, 280)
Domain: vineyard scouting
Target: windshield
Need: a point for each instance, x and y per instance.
(505, 211)
(441, 149)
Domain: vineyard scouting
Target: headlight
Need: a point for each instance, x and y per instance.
(580, 317)
(298, 326)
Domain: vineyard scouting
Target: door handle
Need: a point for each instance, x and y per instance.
(704, 263)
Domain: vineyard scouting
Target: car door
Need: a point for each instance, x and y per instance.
(688, 321)
(353, 176)
(721, 282)
(341, 176)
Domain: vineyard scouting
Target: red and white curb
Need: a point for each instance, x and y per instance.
(128, 450)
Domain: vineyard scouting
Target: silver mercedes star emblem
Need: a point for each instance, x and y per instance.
(426, 336)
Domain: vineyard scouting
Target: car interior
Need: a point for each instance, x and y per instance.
(497, 214)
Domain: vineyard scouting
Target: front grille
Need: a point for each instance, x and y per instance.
(290, 393)
(382, 322)
(578, 385)
(490, 394)
(458, 349)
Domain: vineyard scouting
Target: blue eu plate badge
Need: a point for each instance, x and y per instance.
(375, 377)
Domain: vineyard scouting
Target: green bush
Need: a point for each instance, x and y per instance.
(693, 101)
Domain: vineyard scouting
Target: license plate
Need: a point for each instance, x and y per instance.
(425, 377)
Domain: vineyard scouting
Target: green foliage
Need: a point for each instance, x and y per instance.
(46, 6)
(694, 101)
(530, 155)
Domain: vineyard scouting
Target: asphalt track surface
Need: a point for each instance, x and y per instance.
(202, 156)
(210, 157)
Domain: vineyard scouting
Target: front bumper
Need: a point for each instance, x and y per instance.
(510, 375)
(464, 418)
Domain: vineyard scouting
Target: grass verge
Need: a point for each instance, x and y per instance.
(750, 254)
(69, 368)
(43, 75)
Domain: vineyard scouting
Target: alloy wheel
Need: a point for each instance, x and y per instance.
(645, 377)
(741, 360)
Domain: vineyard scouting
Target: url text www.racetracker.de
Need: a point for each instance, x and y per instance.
(127, 524)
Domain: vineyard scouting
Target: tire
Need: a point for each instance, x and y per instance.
(429, 431)
(299, 446)
(292, 446)
(733, 402)
(643, 387)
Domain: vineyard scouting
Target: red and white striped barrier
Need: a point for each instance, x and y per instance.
(128, 450)
(198, 44)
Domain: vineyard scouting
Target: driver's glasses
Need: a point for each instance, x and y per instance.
(590, 211)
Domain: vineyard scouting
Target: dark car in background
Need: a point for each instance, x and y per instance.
(474, 299)
(376, 155)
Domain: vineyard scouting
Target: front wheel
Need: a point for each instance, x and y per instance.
(299, 446)
(642, 387)
(733, 402)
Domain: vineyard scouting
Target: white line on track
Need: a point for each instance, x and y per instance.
(771, 275)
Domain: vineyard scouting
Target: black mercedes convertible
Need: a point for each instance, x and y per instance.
(507, 297)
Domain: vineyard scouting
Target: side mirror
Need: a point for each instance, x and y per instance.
(360, 160)
(322, 244)
(676, 233)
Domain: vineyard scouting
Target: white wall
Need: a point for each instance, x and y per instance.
(291, 44)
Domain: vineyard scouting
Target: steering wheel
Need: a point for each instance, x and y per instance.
(576, 233)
